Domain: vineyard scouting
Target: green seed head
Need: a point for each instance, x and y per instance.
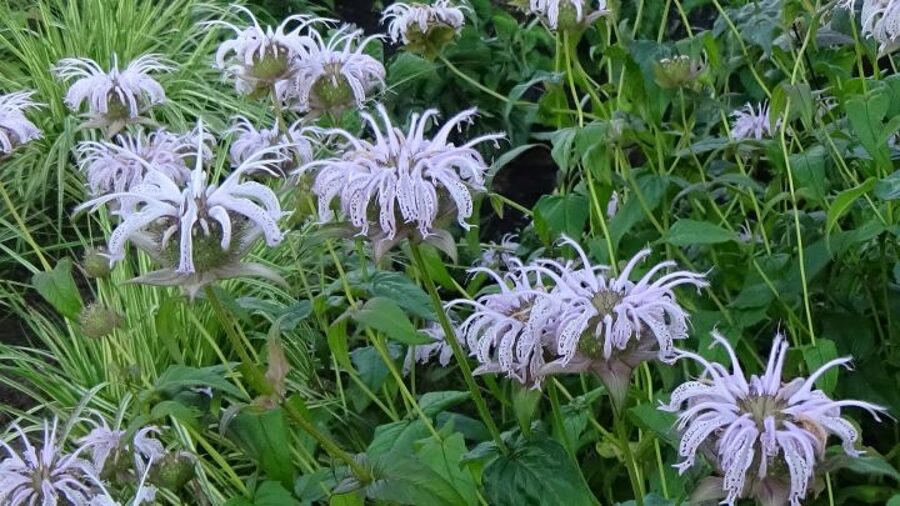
(98, 321)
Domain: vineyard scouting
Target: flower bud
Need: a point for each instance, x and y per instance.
(173, 471)
(96, 263)
(99, 321)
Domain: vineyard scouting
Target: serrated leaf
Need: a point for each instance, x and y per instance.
(444, 457)
(59, 289)
(383, 315)
(397, 287)
(401, 479)
(687, 232)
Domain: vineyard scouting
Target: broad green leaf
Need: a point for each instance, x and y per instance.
(894, 501)
(59, 289)
(866, 114)
(889, 187)
(687, 232)
(871, 463)
(444, 457)
(385, 316)
(397, 287)
(397, 436)
(269, 493)
(337, 343)
(650, 417)
(818, 355)
(401, 479)
(178, 378)
(635, 210)
(809, 173)
(433, 403)
(536, 471)
(508, 156)
(560, 214)
(264, 436)
(844, 200)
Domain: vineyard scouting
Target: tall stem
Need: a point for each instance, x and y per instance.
(258, 383)
(630, 464)
(450, 338)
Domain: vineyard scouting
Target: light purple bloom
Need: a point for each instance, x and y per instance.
(44, 475)
(567, 14)
(120, 164)
(259, 57)
(497, 255)
(504, 332)
(15, 128)
(760, 422)
(114, 98)
(403, 178)
(106, 444)
(752, 123)
(214, 225)
(423, 353)
(409, 21)
(296, 146)
(334, 74)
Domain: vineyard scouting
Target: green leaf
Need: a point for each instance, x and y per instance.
(59, 289)
(818, 355)
(399, 478)
(433, 403)
(650, 417)
(690, 232)
(866, 114)
(444, 457)
(337, 343)
(843, 201)
(264, 436)
(894, 501)
(397, 436)
(536, 471)
(178, 378)
(269, 493)
(652, 189)
(397, 287)
(889, 187)
(560, 214)
(871, 463)
(383, 315)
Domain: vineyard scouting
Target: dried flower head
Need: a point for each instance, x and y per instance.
(114, 98)
(121, 164)
(295, 146)
(756, 428)
(335, 74)
(46, 474)
(213, 226)
(411, 182)
(424, 28)
(261, 58)
(568, 15)
(15, 128)
(752, 123)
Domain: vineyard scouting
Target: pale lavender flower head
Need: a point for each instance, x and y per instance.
(504, 332)
(568, 15)
(109, 449)
(199, 230)
(752, 123)
(412, 183)
(258, 57)
(423, 353)
(15, 128)
(296, 146)
(880, 19)
(120, 164)
(496, 255)
(113, 98)
(45, 474)
(335, 74)
(424, 28)
(752, 429)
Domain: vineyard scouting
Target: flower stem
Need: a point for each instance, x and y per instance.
(465, 77)
(630, 464)
(450, 338)
(258, 382)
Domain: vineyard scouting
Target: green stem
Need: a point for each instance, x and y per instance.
(450, 338)
(465, 77)
(21, 223)
(630, 464)
(258, 382)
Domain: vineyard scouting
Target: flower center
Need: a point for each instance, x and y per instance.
(605, 302)
(273, 66)
(761, 407)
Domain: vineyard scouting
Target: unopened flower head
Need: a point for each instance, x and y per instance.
(114, 98)
(15, 128)
(198, 230)
(258, 57)
(335, 74)
(45, 474)
(568, 15)
(424, 28)
(295, 147)
(121, 164)
(756, 429)
(411, 182)
(752, 123)
(504, 332)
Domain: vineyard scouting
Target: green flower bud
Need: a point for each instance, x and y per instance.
(96, 263)
(173, 471)
(99, 321)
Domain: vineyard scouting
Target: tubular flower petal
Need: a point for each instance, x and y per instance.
(15, 128)
(568, 15)
(758, 425)
(295, 147)
(752, 123)
(424, 28)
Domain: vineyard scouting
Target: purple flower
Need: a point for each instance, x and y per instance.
(45, 474)
(751, 123)
(752, 428)
(408, 180)
(15, 128)
(496, 255)
(423, 353)
(114, 98)
(296, 146)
